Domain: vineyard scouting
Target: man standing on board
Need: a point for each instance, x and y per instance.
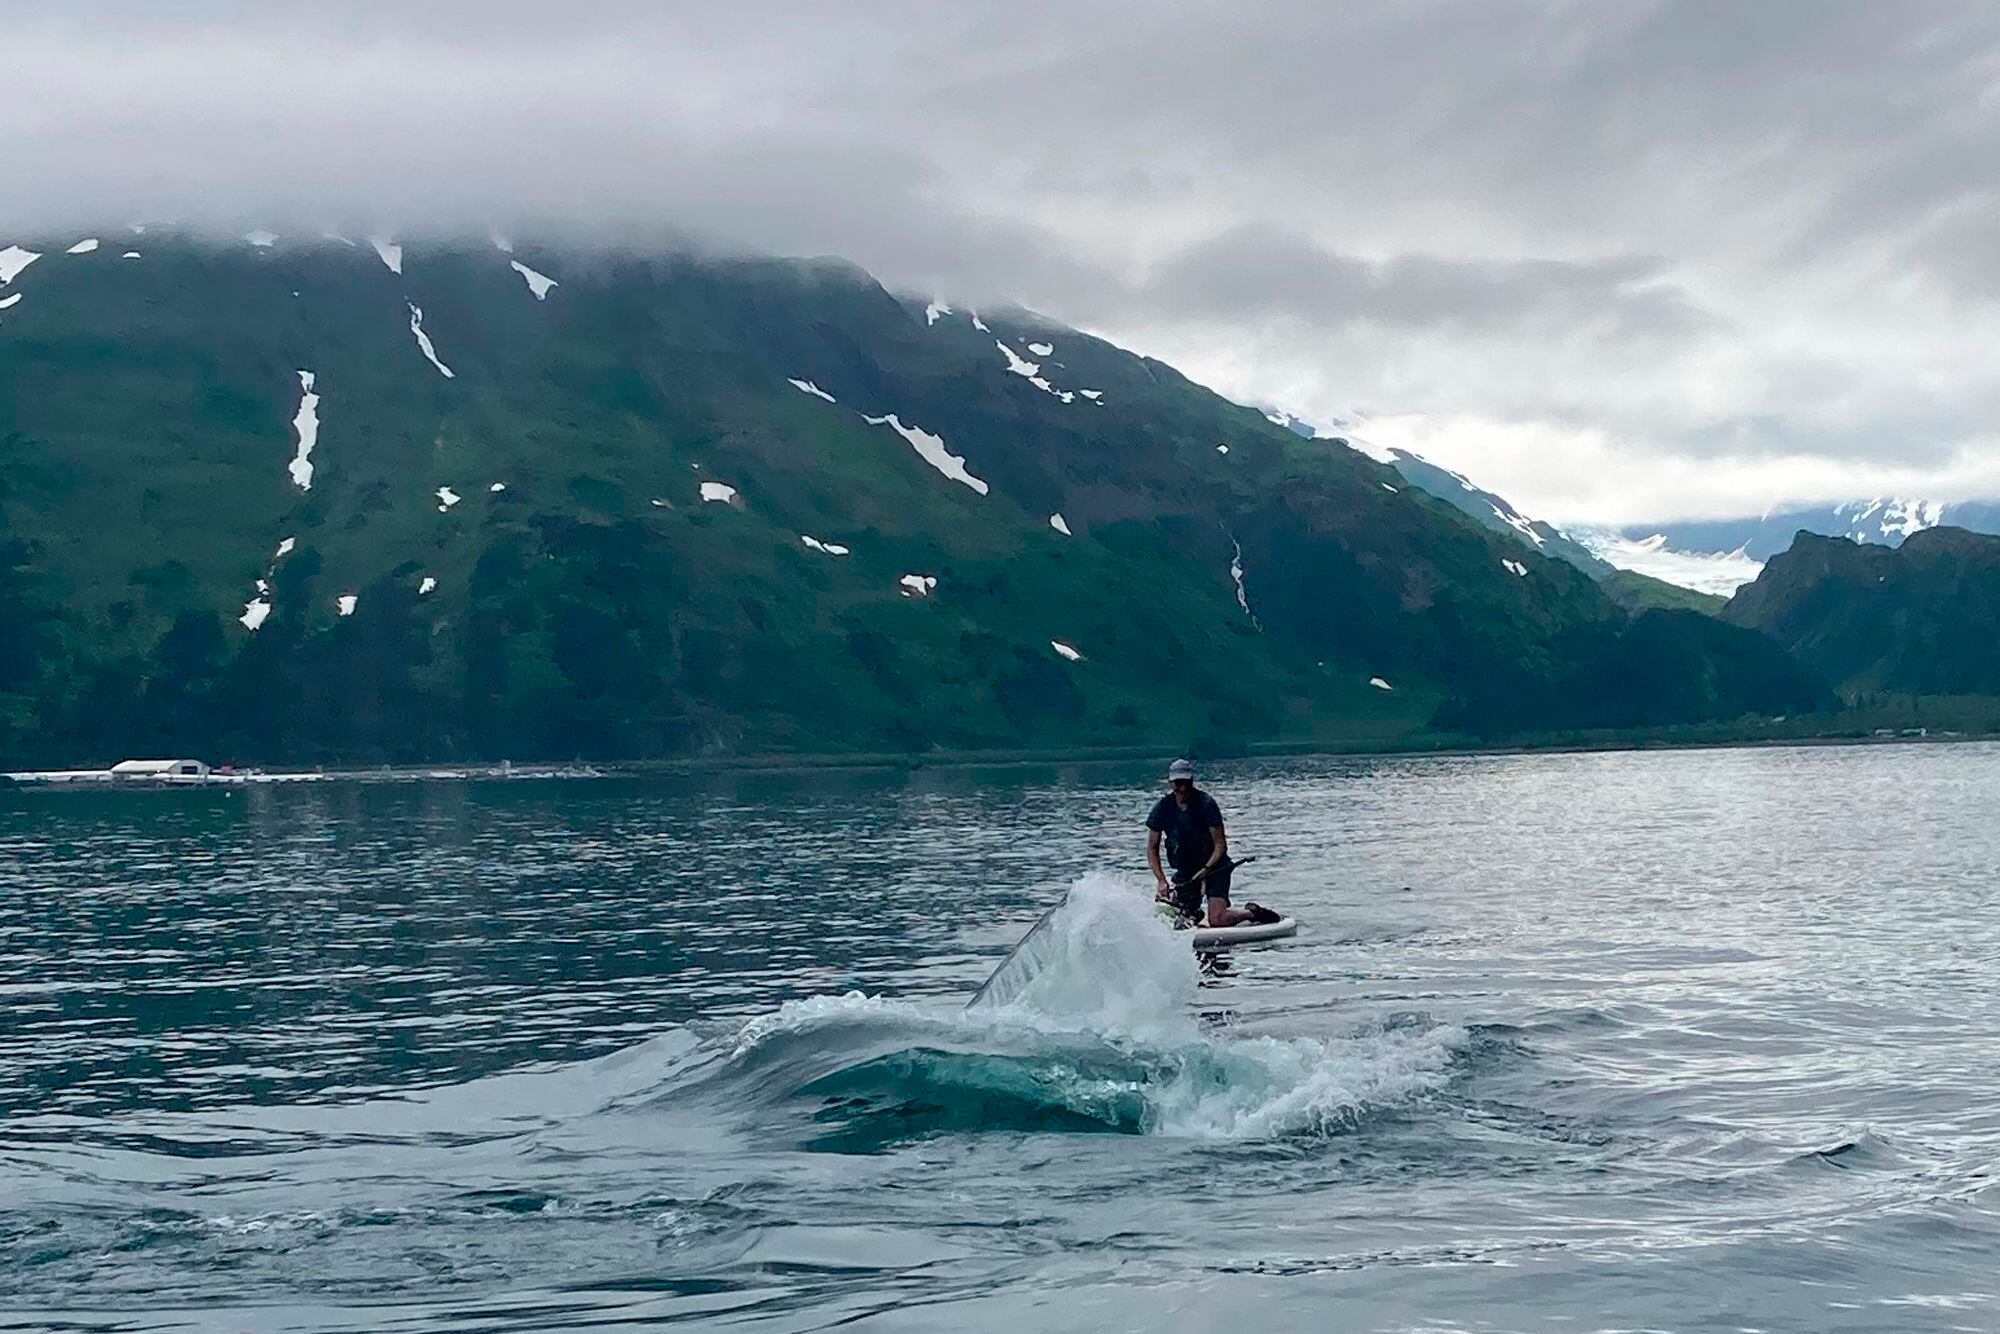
(1196, 842)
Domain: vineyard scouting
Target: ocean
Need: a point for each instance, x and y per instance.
(1689, 1040)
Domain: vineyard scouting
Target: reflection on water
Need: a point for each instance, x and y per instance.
(1689, 1041)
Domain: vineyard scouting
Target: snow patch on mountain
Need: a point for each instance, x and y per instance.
(1060, 524)
(446, 498)
(1380, 453)
(538, 283)
(306, 423)
(918, 585)
(254, 612)
(934, 310)
(347, 603)
(14, 259)
(827, 548)
(721, 492)
(391, 253)
(427, 586)
(1704, 571)
(501, 243)
(931, 449)
(10, 301)
(424, 341)
(1236, 577)
(1031, 372)
(261, 239)
(808, 387)
(83, 247)
(1514, 567)
(1042, 349)
(1066, 650)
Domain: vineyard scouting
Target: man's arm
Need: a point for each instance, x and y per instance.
(1153, 860)
(1217, 833)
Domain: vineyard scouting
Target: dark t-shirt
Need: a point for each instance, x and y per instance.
(1189, 842)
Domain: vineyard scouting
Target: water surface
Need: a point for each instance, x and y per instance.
(1685, 1041)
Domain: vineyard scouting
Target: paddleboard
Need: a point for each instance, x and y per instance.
(1243, 935)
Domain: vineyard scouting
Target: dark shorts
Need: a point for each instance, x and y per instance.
(1215, 885)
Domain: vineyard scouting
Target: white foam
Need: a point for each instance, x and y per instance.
(718, 491)
(935, 309)
(1514, 567)
(261, 239)
(391, 254)
(1060, 524)
(1042, 349)
(808, 387)
(1031, 372)
(306, 423)
(1066, 650)
(829, 548)
(83, 247)
(446, 498)
(14, 259)
(931, 449)
(538, 283)
(347, 602)
(426, 586)
(1379, 683)
(424, 340)
(918, 585)
(254, 613)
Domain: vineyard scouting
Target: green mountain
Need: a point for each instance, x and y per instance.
(319, 500)
(1919, 619)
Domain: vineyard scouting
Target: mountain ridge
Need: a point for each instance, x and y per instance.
(660, 504)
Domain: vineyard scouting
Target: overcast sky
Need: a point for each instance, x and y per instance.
(1623, 262)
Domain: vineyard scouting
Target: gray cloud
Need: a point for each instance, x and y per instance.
(1660, 242)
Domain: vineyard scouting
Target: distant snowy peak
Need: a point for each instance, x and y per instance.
(1890, 520)
(1886, 522)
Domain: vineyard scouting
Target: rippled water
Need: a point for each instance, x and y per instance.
(1682, 1041)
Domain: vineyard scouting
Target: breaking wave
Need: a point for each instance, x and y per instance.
(1104, 1038)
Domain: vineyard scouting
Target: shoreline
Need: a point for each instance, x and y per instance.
(779, 763)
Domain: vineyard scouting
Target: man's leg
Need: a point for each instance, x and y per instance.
(1219, 912)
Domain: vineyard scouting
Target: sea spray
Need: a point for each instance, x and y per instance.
(1104, 962)
(1101, 1036)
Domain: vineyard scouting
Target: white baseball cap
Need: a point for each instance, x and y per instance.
(1180, 769)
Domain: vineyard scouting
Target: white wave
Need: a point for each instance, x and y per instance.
(1112, 976)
